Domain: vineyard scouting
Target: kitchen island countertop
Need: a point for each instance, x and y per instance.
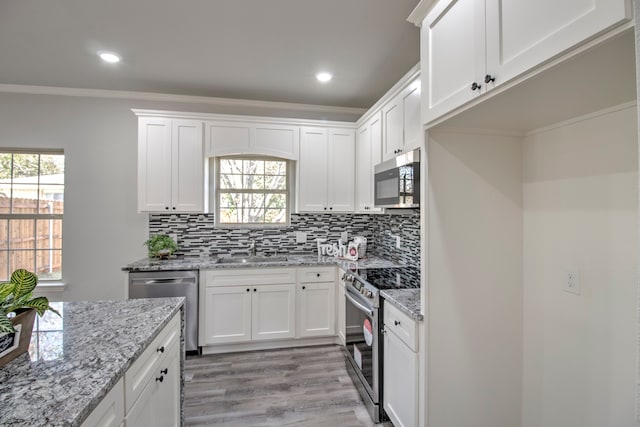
(75, 360)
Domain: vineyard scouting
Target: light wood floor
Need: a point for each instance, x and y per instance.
(287, 387)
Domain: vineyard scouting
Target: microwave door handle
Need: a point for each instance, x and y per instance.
(359, 305)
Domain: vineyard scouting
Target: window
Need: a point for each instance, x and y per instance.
(31, 208)
(252, 190)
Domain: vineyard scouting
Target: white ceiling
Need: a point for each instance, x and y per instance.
(245, 49)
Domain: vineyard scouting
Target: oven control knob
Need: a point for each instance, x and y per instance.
(368, 294)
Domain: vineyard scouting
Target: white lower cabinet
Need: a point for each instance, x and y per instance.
(273, 312)
(254, 305)
(342, 320)
(110, 412)
(317, 309)
(227, 315)
(401, 370)
(149, 393)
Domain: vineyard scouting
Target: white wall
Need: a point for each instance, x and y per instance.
(580, 212)
(474, 283)
(102, 230)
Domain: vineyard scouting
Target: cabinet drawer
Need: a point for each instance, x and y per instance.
(316, 274)
(143, 369)
(249, 276)
(402, 325)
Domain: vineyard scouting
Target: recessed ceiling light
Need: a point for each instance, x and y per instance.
(109, 57)
(323, 76)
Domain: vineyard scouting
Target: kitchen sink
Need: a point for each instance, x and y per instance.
(248, 259)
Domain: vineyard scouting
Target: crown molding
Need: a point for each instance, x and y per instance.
(185, 99)
(420, 12)
(235, 118)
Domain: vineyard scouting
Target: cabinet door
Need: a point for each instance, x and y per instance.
(368, 154)
(110, 411)
(452, 55)
(521, 35)
(226, 138)
(400, 394)
(227, 317)
(154, 164)
(392, 139)
(166, 399)
(317, 309)
(187, 167)
(277, 140)
(341, 170)
(312, 170)
(342, 325)
(411, 123)
(273, 312)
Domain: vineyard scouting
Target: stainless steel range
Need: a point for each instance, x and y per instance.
(363, 316)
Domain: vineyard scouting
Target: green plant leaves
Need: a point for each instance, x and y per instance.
(18, 294)
(24, 281)
(5, 323)
(41, 304)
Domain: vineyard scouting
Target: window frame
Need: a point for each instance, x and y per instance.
(288, 192)
(35, 217)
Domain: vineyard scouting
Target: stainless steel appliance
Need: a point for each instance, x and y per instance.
(363, 315)
(157, 284)
(397, 181)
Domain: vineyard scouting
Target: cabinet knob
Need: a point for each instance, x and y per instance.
(248, 290)
(331, 208)
(166, 207)
(255, 290)
(304, 287)
(396, 322)
(325, 208)
(317, 274)
(475, 86)
(160, 349)
(164, 371)
(174, 208)
(489, 78)
(160, 378)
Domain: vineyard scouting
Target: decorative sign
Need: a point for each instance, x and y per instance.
(10, 341)
(357, 356)
(368, 332)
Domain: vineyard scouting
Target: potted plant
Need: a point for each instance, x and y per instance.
(18, 310)
(161, 246)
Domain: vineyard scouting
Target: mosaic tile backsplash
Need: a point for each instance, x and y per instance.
(197, 234)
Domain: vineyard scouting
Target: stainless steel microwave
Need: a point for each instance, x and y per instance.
(397, 182)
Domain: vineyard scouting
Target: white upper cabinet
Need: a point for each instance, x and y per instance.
(170, 165)
(326, 177)
(471, 46)
(401, 121)
(224, 138)
(368, 154)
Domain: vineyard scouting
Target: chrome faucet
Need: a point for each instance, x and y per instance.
(252, 248)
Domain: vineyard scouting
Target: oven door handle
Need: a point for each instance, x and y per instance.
(359, 305)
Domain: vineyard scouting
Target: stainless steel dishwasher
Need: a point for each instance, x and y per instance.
(158, 284)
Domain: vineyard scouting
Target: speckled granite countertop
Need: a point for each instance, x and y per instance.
(206, 262)
(74, 361)
(407, 300)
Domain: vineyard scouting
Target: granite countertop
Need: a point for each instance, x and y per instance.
(207, 263)
(407, 300)
(75, 360)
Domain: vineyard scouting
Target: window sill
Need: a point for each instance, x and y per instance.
(48, 288)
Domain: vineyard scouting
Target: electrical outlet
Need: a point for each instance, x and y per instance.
(398, 242)
(571, 282)
(301, 237)
(344, 236)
